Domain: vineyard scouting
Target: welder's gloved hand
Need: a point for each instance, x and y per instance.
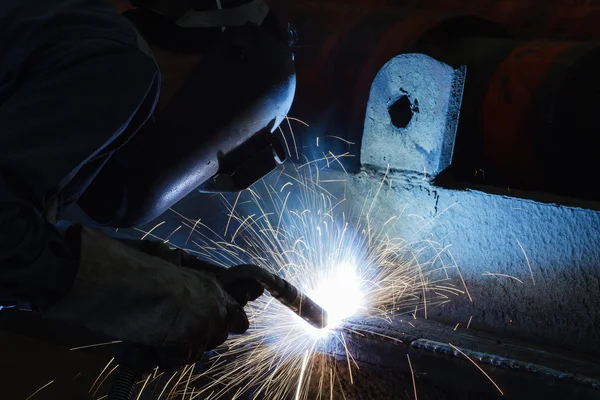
(132, 296)
(241, 290)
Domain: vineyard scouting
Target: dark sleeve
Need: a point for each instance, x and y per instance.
(72, 103)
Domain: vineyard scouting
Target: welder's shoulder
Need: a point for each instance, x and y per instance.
(45, 33)
(84, 47)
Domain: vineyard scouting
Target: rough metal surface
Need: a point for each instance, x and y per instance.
(382, 370)
(485, 234)
(487, 348)
(547, 255)
(370, 382)
(425, 143)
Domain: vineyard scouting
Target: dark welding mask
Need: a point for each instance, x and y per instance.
(216, 134)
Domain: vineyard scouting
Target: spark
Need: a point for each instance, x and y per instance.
(228, 220)
(40, 389)
(189, 368)
(348, 358)
(377, 334)
(167, 384)
(503, 275)
(469, 323)
(478, 367)
(192, 231)
(430, 221)
(172, 233)
(95, 345)
(337, 160)
(143, 387)
(293, 136)
(341, 139)
(148, 234)
(188, 383)
(352, 262)
(528, 263)
(326, 159)
(412, 373)
(100, 375)
(151, 230)
(298, 120)
(461, 277)
(287, 146)
(104, 379)
(302, 371)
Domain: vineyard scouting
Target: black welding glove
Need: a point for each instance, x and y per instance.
(132, 296)
(241, 290)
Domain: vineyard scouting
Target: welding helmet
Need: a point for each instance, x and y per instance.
(216, 134)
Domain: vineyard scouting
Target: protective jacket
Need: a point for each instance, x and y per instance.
(63, 112)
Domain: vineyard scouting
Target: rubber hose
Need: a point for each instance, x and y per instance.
(124, 384)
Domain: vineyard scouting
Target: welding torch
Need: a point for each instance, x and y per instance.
(281, 290)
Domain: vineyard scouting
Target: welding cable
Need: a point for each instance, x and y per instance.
(124, 384)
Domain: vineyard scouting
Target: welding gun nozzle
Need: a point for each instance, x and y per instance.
(302, 305)
(286, 293)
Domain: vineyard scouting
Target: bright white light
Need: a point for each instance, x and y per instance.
(339, 292)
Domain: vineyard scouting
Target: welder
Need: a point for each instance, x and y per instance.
(122, 110)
